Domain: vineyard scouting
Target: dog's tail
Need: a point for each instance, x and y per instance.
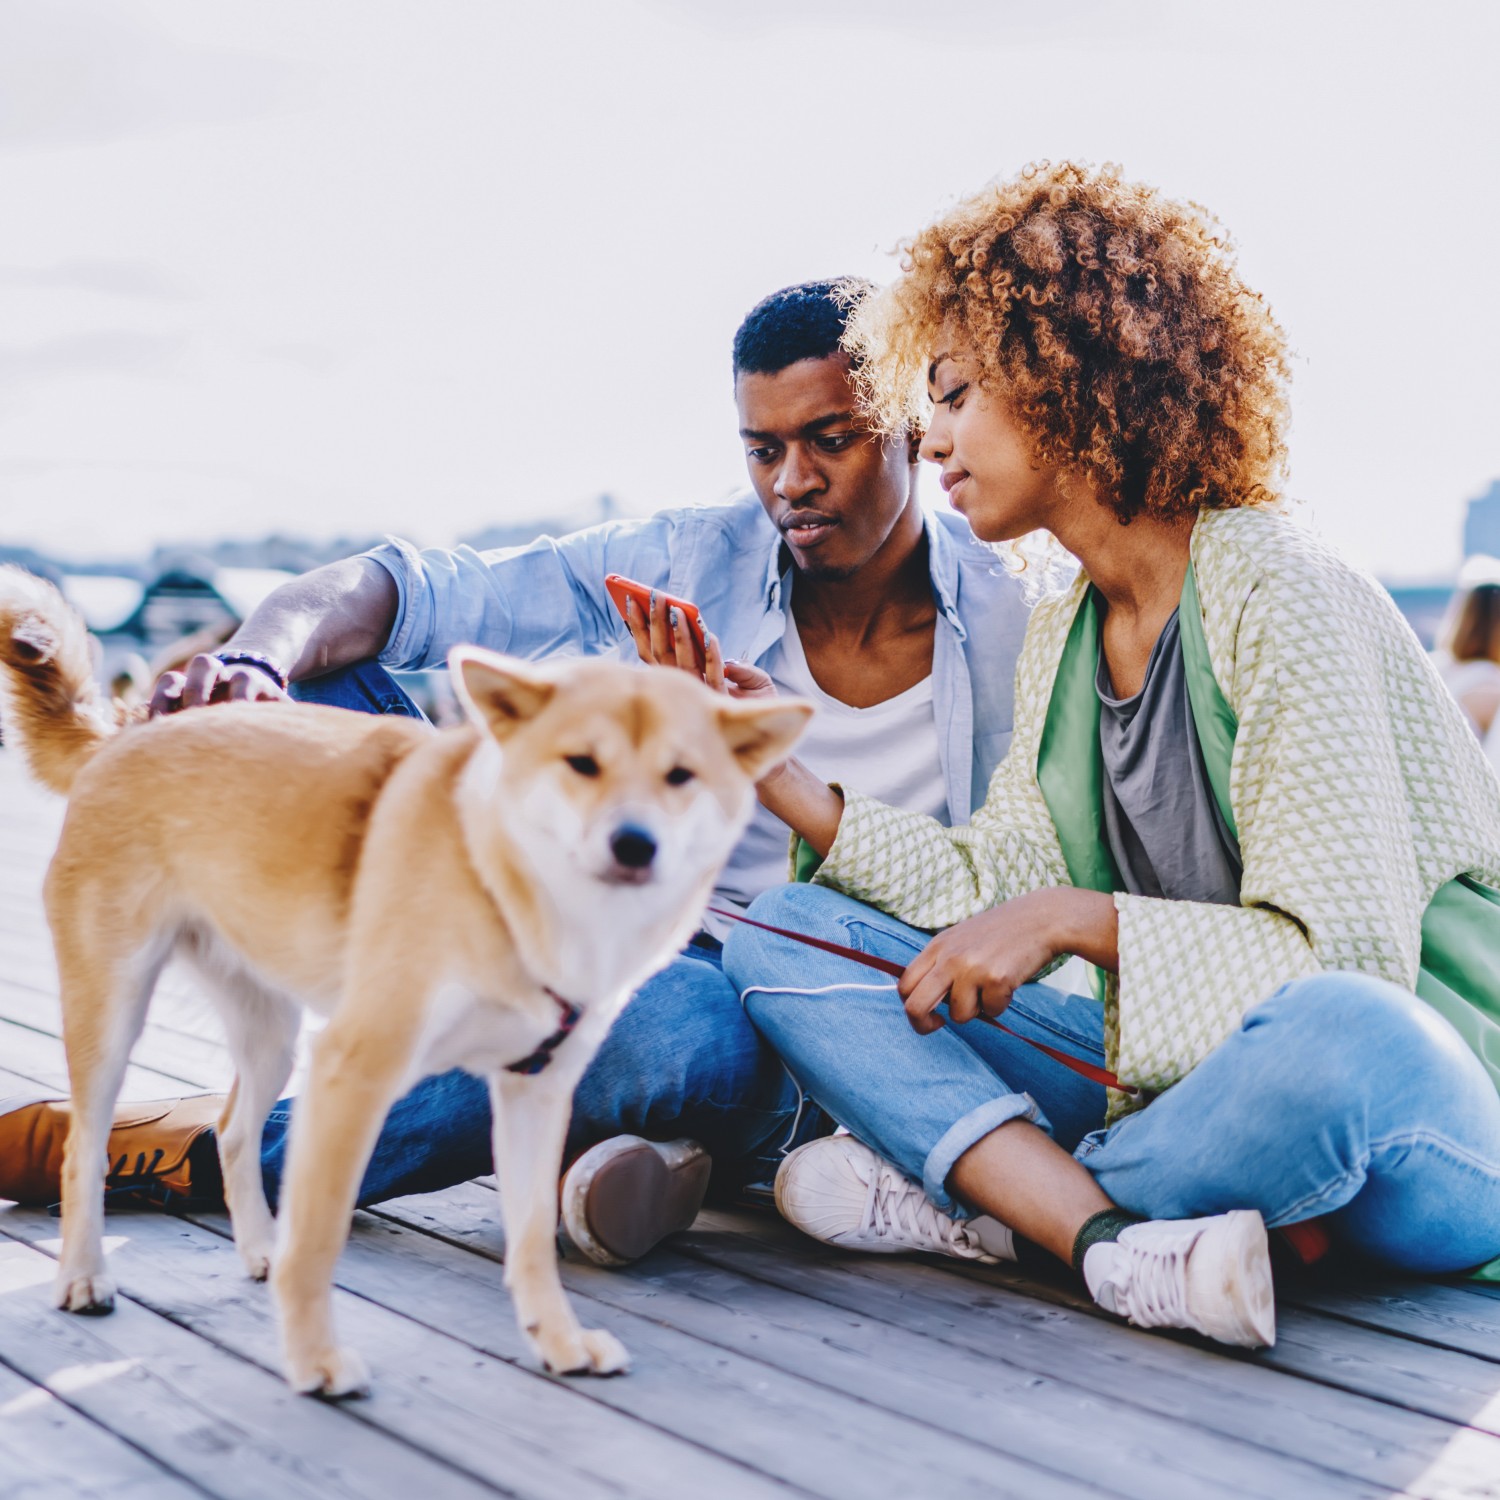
(50, 702)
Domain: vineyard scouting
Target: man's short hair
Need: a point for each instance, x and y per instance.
(799, 322)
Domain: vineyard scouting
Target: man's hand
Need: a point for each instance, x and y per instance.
(207, 680)
(664, 640)
(977, 965)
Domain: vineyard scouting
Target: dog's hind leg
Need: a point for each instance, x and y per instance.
(531, 1124)
(104, 1001)
(260, 1025)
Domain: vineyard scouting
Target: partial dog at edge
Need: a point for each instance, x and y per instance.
(486, 897)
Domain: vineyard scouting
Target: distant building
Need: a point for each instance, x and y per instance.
(1482, 523)
(176, 603)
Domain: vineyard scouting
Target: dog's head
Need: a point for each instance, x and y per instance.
(618, 778)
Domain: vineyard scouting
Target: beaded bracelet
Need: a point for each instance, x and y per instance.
(254, 659)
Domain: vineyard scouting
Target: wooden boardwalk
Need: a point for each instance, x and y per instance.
(764, 1365)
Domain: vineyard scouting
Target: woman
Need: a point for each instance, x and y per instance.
(1236, 787)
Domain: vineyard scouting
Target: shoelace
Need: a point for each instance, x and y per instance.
(1155, 1293)
(145, 1181)
(894, 1209)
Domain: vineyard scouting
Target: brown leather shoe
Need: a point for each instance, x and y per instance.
(625, 1195)
(149, 1146)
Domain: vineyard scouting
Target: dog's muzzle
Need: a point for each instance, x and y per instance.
(633, 849)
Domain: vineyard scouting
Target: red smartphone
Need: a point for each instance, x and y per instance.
(621, 588)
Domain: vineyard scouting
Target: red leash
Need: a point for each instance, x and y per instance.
(1084, 1069)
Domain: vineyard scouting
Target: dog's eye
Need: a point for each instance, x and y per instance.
(585, 765)
(679, 776)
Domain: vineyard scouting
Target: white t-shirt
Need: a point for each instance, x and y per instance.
(888, 751)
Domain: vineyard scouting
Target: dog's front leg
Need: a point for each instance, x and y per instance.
(354, 1079)
(531, 1125)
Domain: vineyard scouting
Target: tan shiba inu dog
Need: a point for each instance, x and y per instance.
(486, 897)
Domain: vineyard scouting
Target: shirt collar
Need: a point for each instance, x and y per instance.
(942, 562)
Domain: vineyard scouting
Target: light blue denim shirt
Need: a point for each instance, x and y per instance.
(549, 599)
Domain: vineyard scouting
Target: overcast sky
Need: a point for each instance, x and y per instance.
(423, 266)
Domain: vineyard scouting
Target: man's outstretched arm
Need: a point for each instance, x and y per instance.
(329, 618)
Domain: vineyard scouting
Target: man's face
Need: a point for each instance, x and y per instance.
(833, 489)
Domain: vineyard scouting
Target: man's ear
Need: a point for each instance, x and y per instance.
(914, 436)
(760, 733)
(498, 693)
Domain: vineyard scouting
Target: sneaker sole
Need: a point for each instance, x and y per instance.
(621, 1199)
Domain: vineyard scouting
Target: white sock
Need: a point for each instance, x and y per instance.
(1100, 1261)
(993, 1237)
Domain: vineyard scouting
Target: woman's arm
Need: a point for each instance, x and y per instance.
(805, 803)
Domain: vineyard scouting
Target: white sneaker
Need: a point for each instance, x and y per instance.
(839, 1191)
(1210, 1275)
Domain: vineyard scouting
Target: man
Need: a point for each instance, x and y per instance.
(900, 627)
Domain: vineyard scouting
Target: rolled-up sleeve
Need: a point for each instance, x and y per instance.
(544, 599)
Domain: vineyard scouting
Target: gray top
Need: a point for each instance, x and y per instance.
(1161, 822)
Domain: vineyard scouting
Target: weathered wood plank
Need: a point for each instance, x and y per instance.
(1383, 1355)
(1382, 1363)
(891, 1363)
(39, 1056)
(1430, 1312)
(511, 1427)
(909, 1341)
(409, 1264)
(49, 1452)
(201, 1062)
(230, 1428)
(15, 1085)
(179, 1008)
(774, 1421)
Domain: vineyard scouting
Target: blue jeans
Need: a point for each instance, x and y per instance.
(1341, 1095)
(682, 1060)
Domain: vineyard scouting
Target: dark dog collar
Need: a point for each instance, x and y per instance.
(568, 1017)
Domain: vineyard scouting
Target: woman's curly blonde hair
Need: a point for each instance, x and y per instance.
(1112, 321)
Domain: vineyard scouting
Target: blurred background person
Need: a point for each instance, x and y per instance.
(1468, 649)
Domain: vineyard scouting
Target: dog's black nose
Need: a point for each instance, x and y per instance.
(633, 847)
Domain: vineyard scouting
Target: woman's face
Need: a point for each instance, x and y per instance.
(989, 472)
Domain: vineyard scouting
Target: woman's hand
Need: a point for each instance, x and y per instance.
(977, 965)
(663, 639)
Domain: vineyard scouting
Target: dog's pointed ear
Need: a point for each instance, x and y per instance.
(498, 693)
(760, 732)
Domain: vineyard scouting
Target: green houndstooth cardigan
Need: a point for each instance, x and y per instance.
(1368, 817)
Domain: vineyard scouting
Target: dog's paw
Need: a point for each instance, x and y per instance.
(592, 1352)
(257, 1259)
(84, 1294)
(335, 1375)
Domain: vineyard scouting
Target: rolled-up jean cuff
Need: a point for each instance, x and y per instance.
(969, 1131)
